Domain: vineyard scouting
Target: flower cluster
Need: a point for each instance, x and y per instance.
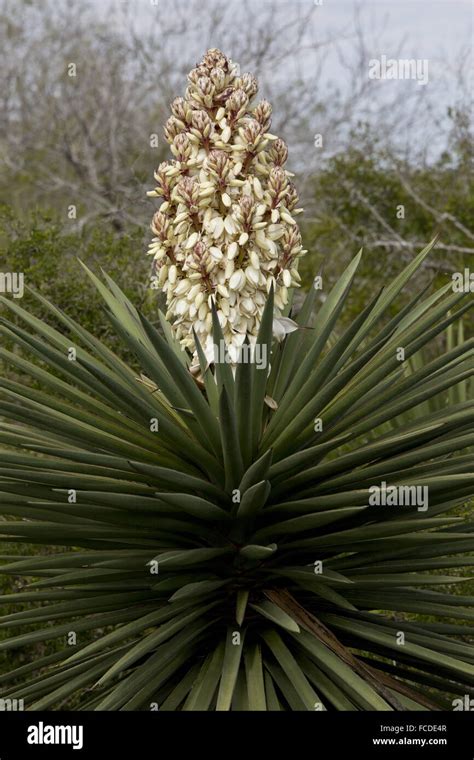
(225, 230)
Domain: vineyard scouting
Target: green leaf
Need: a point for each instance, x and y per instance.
(355, 687)
(257, 471)
(224, 376)
(245, 378)
(276, 615)
(327, 317)
(233, 464)
(291, 668)
(259, 371)
(230, 669)
(255, 680)
(256, 552)
(204, 689)
(241, 606)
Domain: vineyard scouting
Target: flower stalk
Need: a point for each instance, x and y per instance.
(226, 230)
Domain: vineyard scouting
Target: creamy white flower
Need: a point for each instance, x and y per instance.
(237, 281)
(282, 326)
(225, 232)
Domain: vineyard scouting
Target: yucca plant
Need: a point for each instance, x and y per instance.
(217, 545)
(195, 518)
